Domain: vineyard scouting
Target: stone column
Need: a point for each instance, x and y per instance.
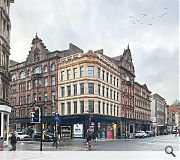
(7, 129)
(2, 124)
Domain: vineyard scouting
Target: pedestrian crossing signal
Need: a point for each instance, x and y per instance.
(35, 115)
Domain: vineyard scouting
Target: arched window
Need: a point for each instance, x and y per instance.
(22, 75)
(37, 70)
(13, 77)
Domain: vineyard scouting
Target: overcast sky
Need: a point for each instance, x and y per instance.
(151, 28)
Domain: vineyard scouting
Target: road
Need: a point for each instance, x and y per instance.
(157, 143)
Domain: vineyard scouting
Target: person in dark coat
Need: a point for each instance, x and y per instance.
(13, 142)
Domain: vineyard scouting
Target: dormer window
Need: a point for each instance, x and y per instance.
(36, 55)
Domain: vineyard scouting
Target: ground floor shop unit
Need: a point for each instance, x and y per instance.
(4, 122)
(75, 126)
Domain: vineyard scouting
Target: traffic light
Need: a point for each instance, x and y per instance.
(35, 115)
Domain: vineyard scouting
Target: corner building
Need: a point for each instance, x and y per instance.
(90, 90)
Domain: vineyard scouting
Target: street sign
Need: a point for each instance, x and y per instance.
(57, 117)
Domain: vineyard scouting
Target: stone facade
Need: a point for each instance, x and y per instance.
(35, 80)
(158, 114)
(92, 79)
(5, 27)
(142, 110)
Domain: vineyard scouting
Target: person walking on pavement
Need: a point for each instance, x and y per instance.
(13, 142)
(55, 139)
(88, 137)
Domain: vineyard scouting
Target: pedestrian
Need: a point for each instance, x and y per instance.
(88, 137)
(13, 142)
(55, 139)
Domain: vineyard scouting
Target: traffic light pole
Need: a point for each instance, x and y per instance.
(41, 128)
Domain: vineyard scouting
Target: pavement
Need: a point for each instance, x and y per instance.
(157, 143)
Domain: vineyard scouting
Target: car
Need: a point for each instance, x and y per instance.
(150, 134)
(144, 134)
(48, 137)
(139, 134)
(174, 131)
(20, 136)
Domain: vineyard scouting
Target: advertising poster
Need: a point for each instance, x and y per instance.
(78, 130)
(65, 131)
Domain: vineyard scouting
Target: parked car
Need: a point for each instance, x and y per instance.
(20, 136)
(138, 134)
(144, 134)
(150, 134)
(48, 137)
(174, 131)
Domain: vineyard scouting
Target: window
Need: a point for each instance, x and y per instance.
(53, 80)
(111, 79)
(53, 67)
(45, 97)
(99, 89)
(68, 90)
(75, 73)
(22, 75)
(37, 70)
(111, 110)
(13, 77)
(45, 82)
(91, 88)
(114, 81)
(111, 93)
(107, 77)
(53, 96)
(114, 110)
(45, 68)
(91, 106)
(103, 108)
(68, 107)
(28, 85)
(117, 96)
(28, 99)
(99, 107)
(62, 75)
(75, 89)
(114, 95)
(82, 88)
(103, 75)
(107, 109)
(107, 92)
(45, 111)
(36, 56)
(35, 83)
(117, 110)
(99, 72)
(81, 71)
(68, 74)
(62, 91)
(62, 108)
(81, 106)
(75, 107)
(91, 71)
(103, 91)
(34, 97)
(117, 82)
